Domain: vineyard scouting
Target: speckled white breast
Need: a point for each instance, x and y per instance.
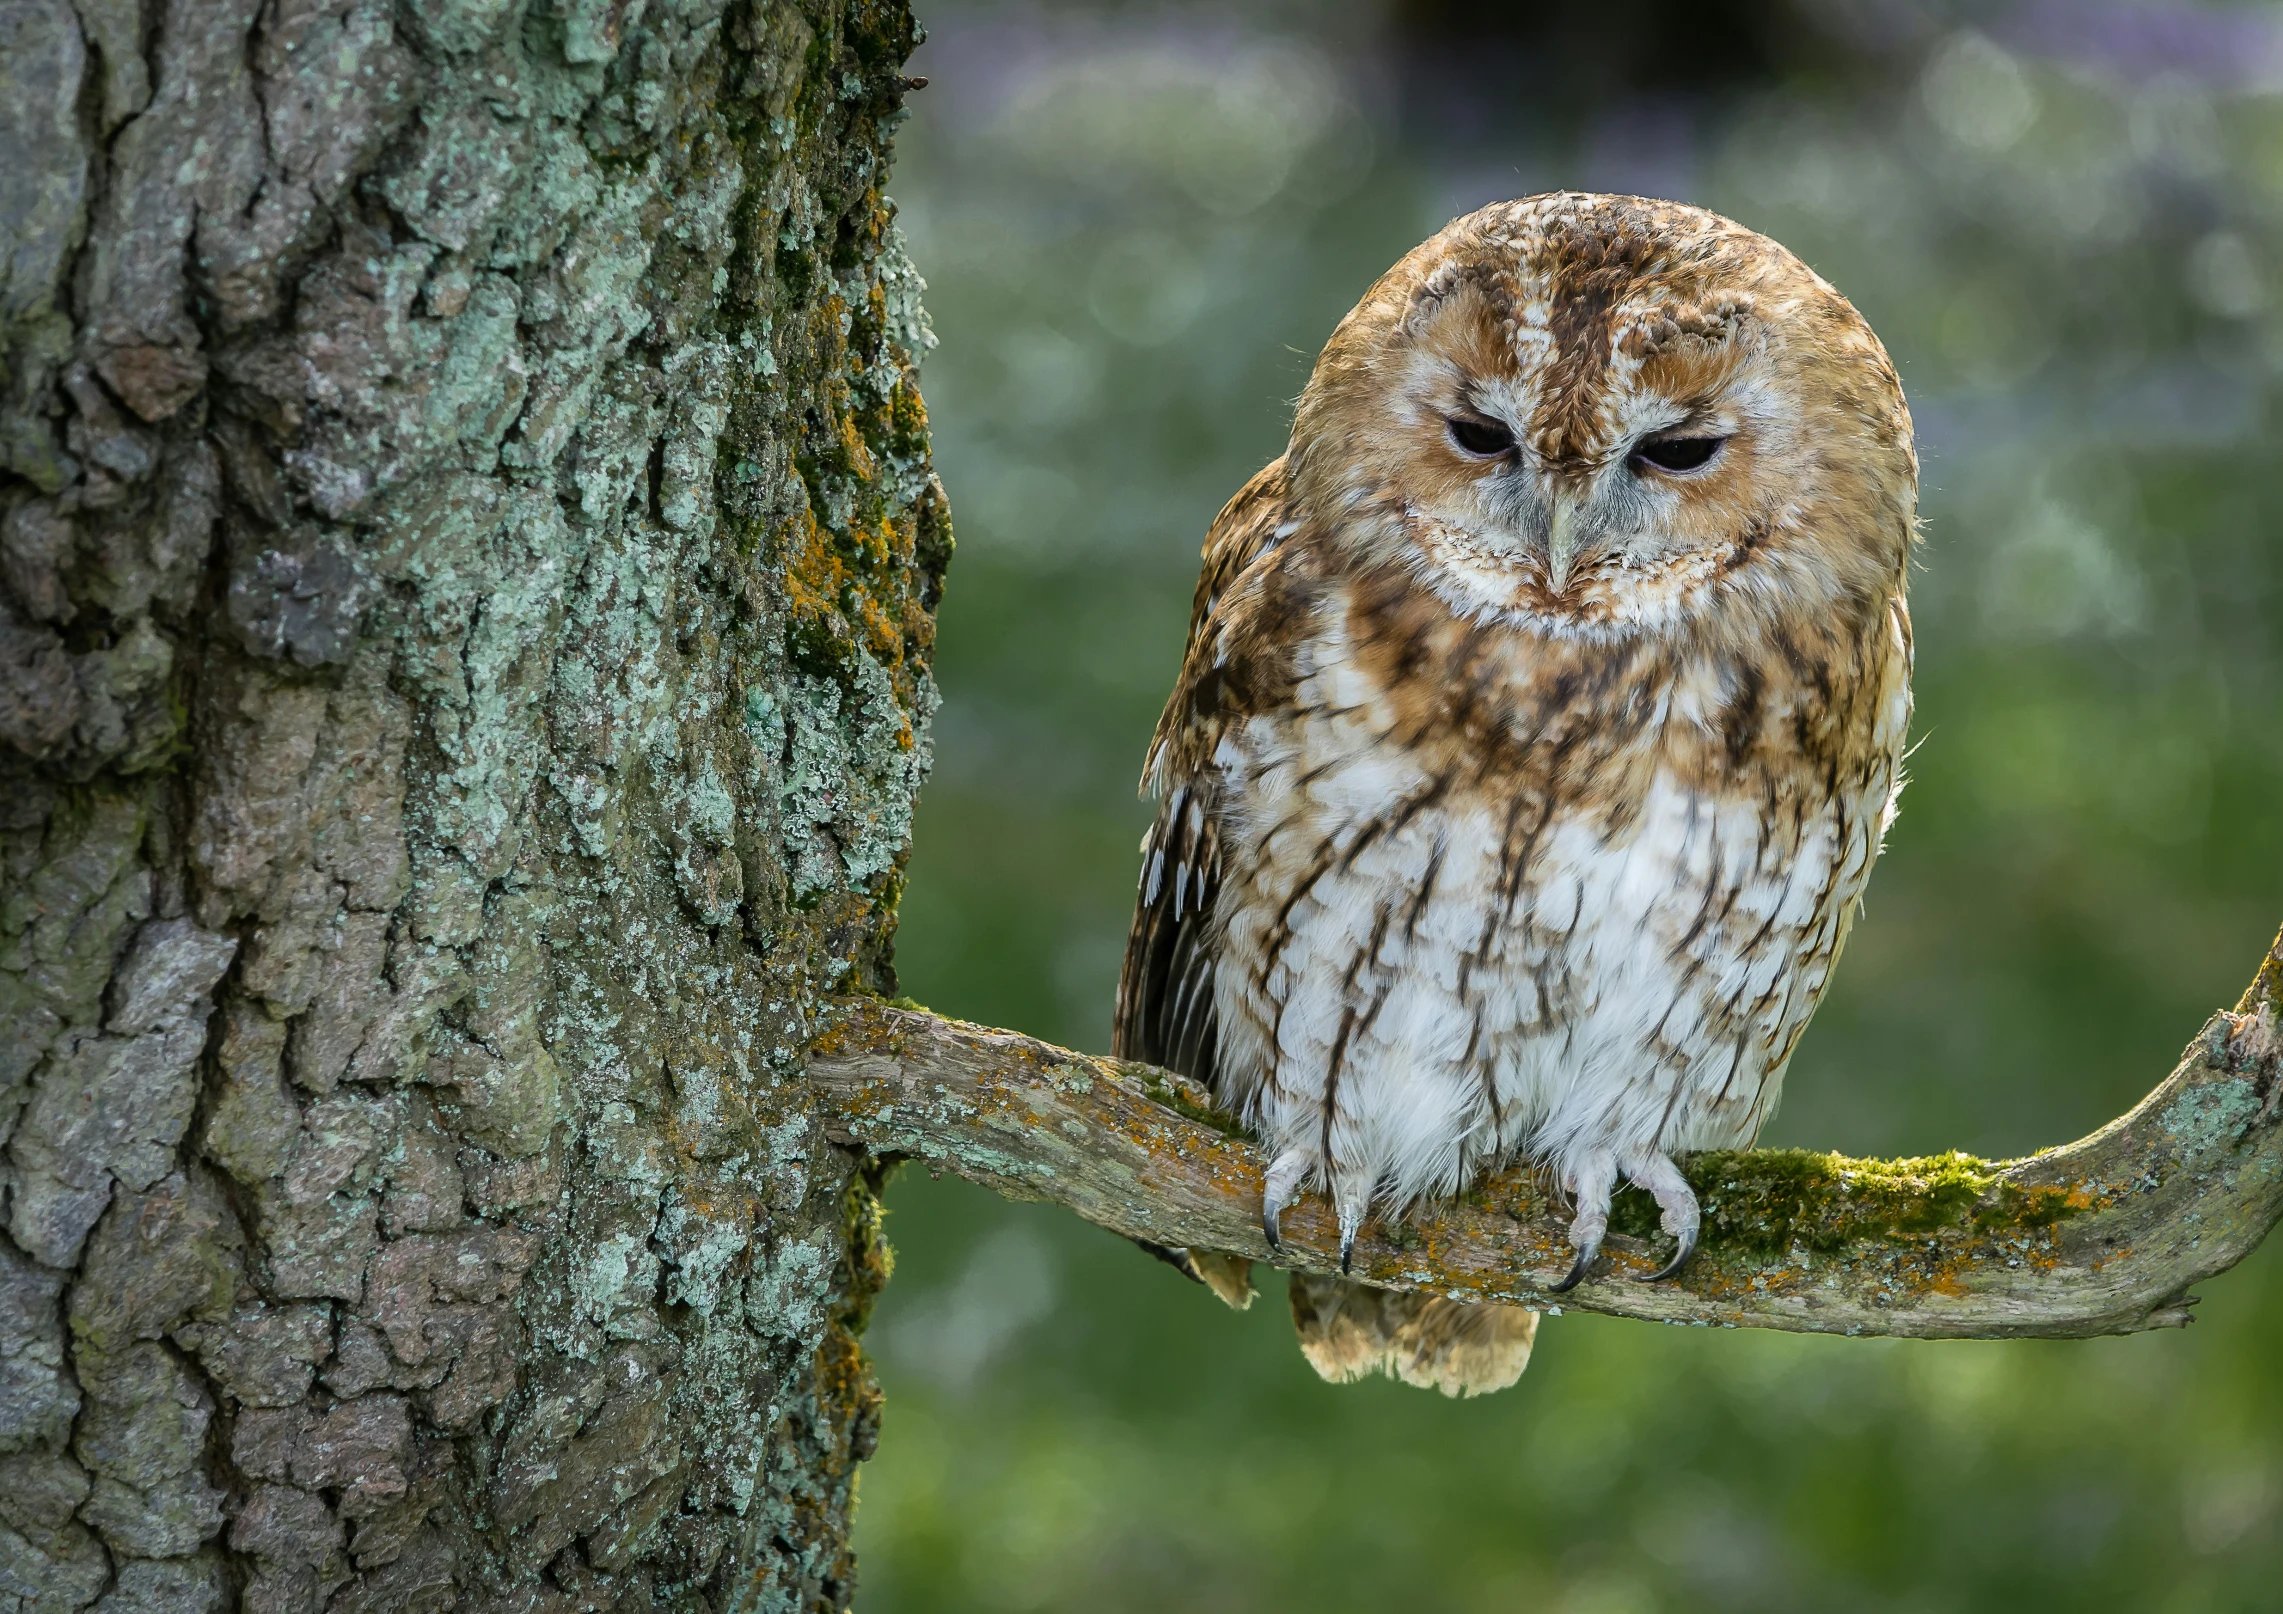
(1401, 1001)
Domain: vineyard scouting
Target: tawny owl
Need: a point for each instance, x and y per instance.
(1543, 711)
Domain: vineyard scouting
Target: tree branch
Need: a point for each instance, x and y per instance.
(2101, 1236)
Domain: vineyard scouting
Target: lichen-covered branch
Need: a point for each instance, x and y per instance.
(2101, 1236)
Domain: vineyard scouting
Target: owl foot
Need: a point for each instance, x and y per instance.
(1351, 1198)
(1284, 1178)
(1590, 1187)
(1576, 1276)
(1681, 1258)
(1351, 1221)
(1657, 1176)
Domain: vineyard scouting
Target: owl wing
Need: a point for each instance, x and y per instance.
(1165, 994)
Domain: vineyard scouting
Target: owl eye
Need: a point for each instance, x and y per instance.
(1485, 439)
(1677, 453)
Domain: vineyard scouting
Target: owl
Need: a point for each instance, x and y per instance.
(1543, 712)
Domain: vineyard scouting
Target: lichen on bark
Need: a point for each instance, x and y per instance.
(468, 551)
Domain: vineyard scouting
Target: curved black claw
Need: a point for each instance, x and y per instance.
(1174, 1257)
(1269, 1218)
(1680, 1259)
(1347, 1250)
(1577, 1271)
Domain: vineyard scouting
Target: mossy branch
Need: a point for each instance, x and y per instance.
(2101, 1236)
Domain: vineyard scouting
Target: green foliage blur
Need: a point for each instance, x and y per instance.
(1138, 224)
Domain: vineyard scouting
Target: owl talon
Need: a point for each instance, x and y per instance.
(1284, 1178)
(1590, 1183)
(1676, 1203)
(1350, 1224)
(1671, 1269)
(1577, 1269)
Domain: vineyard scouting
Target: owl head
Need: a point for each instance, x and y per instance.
(1600, 416)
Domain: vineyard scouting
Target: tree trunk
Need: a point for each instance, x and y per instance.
(469, 557)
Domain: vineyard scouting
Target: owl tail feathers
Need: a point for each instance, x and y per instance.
(1349, 1331)
(1229, 1276)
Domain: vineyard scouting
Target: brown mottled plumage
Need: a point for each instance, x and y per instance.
(1543, 710)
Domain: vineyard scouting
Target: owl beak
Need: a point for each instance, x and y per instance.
(1562, 543)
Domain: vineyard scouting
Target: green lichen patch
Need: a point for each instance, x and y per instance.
(1177, 1097)
(1776, 1198)
(1766, 1200)
(2207, 1118)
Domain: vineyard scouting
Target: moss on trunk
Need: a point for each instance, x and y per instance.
(469, 559)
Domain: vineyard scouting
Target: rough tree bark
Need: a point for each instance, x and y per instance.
(469, 554)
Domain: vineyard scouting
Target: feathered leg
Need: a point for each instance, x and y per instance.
(1285, 1175)
(1351, 1198)
(1656, 1175)
(1590, 1184)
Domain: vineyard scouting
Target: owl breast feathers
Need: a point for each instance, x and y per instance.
(1543, 710)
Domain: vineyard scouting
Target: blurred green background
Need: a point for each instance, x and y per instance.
(1138, 223)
